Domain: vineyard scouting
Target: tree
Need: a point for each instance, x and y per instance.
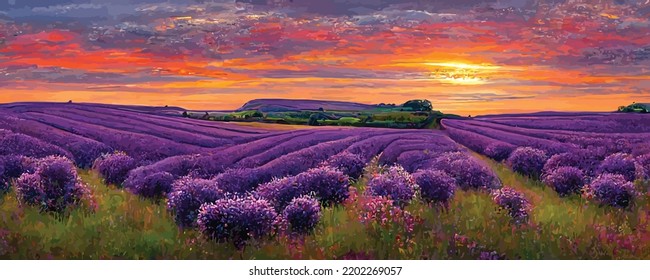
(419, 105)
(186, 115)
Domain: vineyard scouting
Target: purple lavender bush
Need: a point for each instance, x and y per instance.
(238, 181)
(499, 151)
(472, 174)
(155, 186)
(565, 180)
(350, 164)
(115, 167)
(187, 196)
(330, 186)
(513, 202)
(527, 161)
(21, 144)
(561, 160)
(302, 215)
(619, 163)
(612, 189)
(435, 186)
(644, 162)
(395, 184)
(281, 191)
(53, 187)
(237, 220)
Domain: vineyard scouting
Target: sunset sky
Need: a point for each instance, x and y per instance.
(466, 56)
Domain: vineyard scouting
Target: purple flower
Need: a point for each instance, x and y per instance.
(472, 174)
(53, 186)
(560, 160)
(236, 220)
(302, 215)
(527, 161)
(499, 151)
(115, 167)
(330, 186)
(435, 186)
(644, 162)
(619, 163)
(512, 201)
(393, 183)
(238, 181)
(187, 196)
(12, 166)
(281, 191)
(490, 255)
(382, 212)
(613, 190)
(350, 164)
(565, 180)
(154, 186)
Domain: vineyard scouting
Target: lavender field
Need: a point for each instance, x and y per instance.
(90, 181)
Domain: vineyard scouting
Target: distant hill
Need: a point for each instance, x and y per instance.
(278, 105)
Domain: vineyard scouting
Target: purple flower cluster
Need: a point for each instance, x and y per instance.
(395, 184)
(21, 144)
(114, 167)
(11, 167)
(512, 201)
(613, 190)
(472, 174)
(155, 186)
(53, 186)
(383, 213)
(435, 186)
(187, 196)
(302, 215)
(644, 162)
(565, 180)
(619, 163)
(350, 164)
(527, 161)
(330, 186)
(237, 220)
(499, 151)
(238, 181)
(281, 191)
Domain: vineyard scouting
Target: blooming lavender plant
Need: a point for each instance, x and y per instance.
(393, 183)
(527, 161)
(154, 186)
(565, 180)
(187, 196)
(330, 186)
(302, 215)
(499, 151)
(53, 186)
(114, 168)
(238, 181)
(613, 190)
(281, 191)
(513, 202)
(435, 186)
(620, 163)
(350, 164)
(236, 220)
(472, 174)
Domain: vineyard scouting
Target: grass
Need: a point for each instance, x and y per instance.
(125, 226)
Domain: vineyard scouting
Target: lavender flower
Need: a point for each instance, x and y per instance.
(565, 180)
(395, 184)
(512, 201)
(620, 163)
(302, 215)
(350, 164)
(499, 151)
(154, 186)
(281, 191)
(471, 174)
(527, 161)
(330, 186)
(238, 181)
(114, 167)
(435, 186)
(187, 196)
(613, 190)
(236, 220)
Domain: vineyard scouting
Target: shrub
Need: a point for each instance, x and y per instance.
(281, 191)
(53, 186)
(350, 164)
(612, 189)
(619, 163)
(330, 186)
(443, 161)
(565, 180)
(12, 166)
(499, 151)
(513, 202)
(644, 162)
(435, 186)
(114, 168)
(471, 174)
(154, 186)
(561, 160)
(236, 220)
(238, 181)
(187, 196)
(302, 215)
(527, 161)
(395, 184)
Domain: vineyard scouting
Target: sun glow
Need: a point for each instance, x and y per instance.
(459, 65)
